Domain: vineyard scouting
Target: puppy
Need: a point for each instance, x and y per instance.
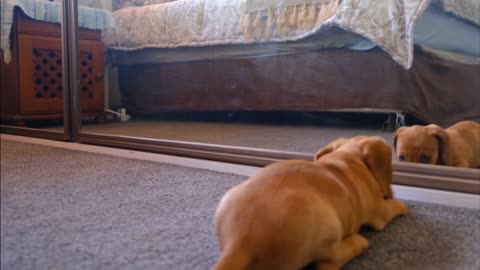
(458, 145)
(295, 213)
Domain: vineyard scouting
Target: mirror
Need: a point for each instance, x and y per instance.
(31, 74)
(290, 78)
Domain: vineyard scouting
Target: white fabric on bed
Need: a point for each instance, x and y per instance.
(444, 35)
(327, 37)
(104, 4)
(271, 20)
(259, 5)
(209, 22)
(388, 23)
(466, 9)
(221, 22)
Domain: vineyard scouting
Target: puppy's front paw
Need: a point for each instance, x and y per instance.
(462, 164)
(360, 243)
(399, 207)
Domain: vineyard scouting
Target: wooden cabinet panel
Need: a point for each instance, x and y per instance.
(32, 84)
(91, 68)
(41, 86)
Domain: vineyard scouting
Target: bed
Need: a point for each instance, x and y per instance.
(415, 57)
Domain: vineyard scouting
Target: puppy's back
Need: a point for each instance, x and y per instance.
(265, 221)
(469, 134)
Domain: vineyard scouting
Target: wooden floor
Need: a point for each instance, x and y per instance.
(296, 132)
(295, 138)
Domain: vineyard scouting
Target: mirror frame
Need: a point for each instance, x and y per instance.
(409, 174)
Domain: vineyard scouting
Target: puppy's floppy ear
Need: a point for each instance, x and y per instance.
(329, 148)
(396, 136)
(442, 139)
(377, 156)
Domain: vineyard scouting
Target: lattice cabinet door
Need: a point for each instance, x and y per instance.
(91, 67)
(41, 75)
(41, 87)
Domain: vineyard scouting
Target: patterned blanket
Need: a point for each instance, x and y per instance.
(388, 23)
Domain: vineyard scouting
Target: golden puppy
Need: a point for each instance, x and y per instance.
(458, 145)
(293, 213)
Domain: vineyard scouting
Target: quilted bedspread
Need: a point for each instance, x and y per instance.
(388, 23)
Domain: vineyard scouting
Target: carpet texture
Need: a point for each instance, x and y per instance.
(63, 209)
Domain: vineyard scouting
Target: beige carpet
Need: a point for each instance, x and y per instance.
(64, 209)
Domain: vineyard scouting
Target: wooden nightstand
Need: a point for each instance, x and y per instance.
(32, 84)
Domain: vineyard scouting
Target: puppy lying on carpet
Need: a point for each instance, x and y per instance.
(295, 213)
(458, 145)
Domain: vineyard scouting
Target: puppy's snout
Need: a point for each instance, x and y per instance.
(416, 158)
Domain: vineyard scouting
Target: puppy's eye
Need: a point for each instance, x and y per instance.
(425, 159)
(401, 158)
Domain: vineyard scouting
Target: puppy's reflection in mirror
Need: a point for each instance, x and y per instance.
(458, 145)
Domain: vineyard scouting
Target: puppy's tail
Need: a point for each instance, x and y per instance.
(233, 259)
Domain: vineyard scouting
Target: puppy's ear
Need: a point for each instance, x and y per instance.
(329, 148)
(377, 156)
(396, 136)
(442, 139)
